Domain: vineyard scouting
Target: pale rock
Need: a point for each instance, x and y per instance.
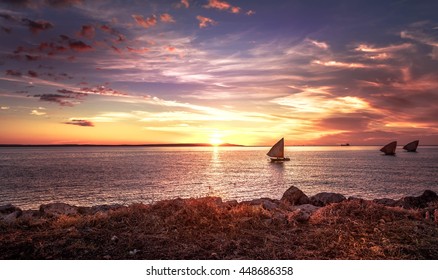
(307, 208)
(266, 203)
(57, 209)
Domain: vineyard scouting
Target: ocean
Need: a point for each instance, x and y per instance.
(86, 176)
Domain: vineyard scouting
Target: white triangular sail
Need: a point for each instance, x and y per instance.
(389, 149)
(411, 147)
(277, 150)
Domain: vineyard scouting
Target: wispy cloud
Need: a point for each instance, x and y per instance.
(185, 3)
(205, 21)
(166, 18)
(145, 22)
(79, 122)
(38, 113)
(63, 100)
(222, 5)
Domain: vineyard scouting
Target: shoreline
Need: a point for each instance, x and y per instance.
(323, 226)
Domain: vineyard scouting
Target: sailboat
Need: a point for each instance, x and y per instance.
(389, 149)
(411, 147)
(276, 153)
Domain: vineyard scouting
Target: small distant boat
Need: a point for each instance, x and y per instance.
(346, 144)
(411, 147)
(389, 149)
(276, 153)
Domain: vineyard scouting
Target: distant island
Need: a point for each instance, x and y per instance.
(124, 145)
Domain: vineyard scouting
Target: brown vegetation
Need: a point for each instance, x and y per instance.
(208, 228)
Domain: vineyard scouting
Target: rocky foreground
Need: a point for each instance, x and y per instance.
(324, 226)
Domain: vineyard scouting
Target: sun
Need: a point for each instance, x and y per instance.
(215, 139)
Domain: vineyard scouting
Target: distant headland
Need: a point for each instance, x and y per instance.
(124, 145)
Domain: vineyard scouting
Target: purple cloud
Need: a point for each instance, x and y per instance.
(13, 73)
(32, 57)
(36, 26)
(32, 74)
(56, 98)
(80, 122)
(87, 31)
(62, 3)
(79, 46)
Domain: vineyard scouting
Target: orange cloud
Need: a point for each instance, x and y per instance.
(185, 3)
(146, 23)
(205, 21)
(222, 5)
(170, 48)
(166, 18)
(334, 63)
(142, 50)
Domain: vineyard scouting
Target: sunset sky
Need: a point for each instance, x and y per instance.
(243, 72)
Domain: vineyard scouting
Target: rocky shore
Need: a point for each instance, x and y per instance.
(323, 226)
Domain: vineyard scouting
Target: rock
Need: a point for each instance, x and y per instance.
(295, 196)
(10, 217)
(57, 209)
(231, 203)
(9, 213)
(307, 208)
(418, 201)
(302, 216)
(209, 200)
(105, 207)
(30, 214)
(324, 198)
(133, 252)
(114, 239)
(267, 203)
(385, 201)
(8, 209)
(98, 209)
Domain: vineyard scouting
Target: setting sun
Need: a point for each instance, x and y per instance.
(215, 139)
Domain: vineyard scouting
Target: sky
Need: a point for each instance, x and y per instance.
(213, 71)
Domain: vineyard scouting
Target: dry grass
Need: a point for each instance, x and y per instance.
(209, 229)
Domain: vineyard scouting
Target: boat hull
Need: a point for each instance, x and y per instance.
(279, 159)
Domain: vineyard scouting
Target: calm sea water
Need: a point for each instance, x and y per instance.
(104, 175)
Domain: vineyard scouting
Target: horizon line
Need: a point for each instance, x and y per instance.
(181, 145)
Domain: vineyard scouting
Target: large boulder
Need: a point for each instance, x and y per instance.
(57, 209)
(295, 196)
(418, 201)
(324, 198)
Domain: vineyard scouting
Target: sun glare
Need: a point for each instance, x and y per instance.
(215, 139)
